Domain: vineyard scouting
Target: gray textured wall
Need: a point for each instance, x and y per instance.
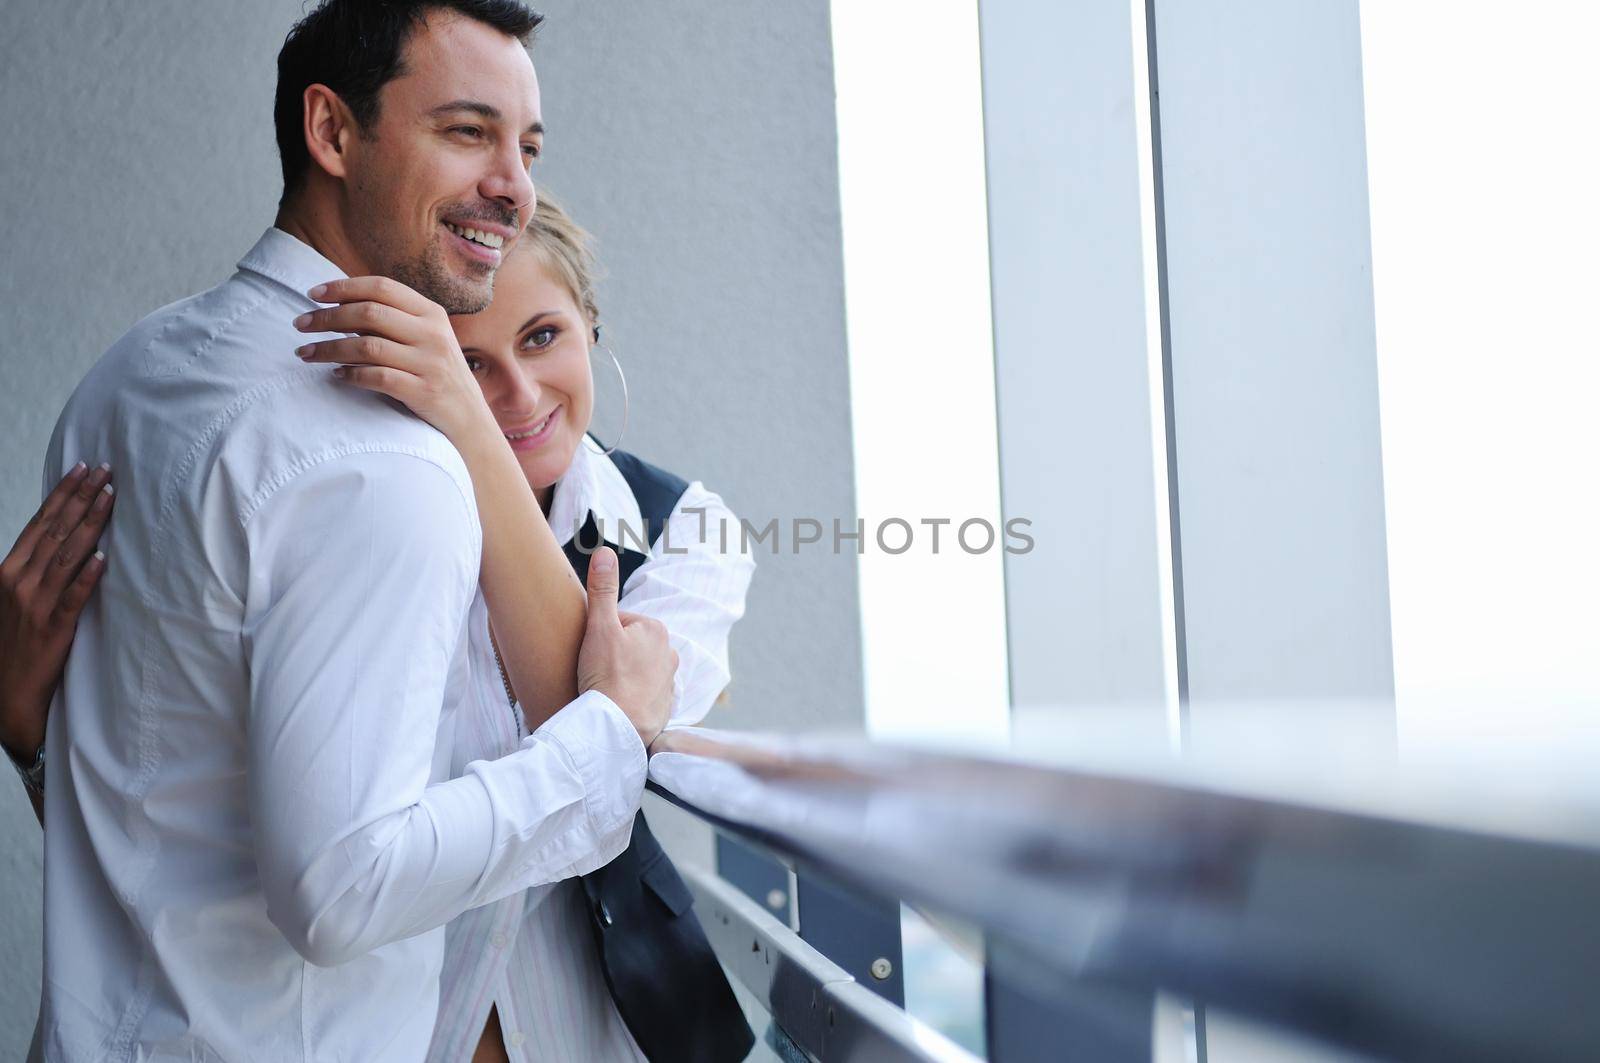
(698, 144)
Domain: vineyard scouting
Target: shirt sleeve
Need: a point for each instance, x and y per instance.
(361, 571)
(695, 582)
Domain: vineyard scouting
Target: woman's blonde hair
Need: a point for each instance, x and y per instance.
(565, 248)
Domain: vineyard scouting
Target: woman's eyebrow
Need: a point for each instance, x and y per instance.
(524, 327)
(536, 318)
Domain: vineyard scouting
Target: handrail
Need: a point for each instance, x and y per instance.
(1395, 937)
(816, 1003)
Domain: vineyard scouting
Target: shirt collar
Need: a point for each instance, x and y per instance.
(594, 485)
(290, 261)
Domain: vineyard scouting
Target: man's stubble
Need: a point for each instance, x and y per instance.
(428, 275)
(424, 271)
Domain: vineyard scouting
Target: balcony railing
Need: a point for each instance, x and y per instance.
(1407, 920)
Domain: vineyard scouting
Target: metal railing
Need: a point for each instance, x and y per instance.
(1390, 928)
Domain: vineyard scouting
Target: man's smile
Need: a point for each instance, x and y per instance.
(480, 236)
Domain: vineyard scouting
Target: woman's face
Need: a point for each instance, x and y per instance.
(530, 352)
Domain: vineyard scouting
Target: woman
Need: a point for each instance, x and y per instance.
(513, 389)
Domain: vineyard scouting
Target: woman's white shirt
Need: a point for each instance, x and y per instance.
(533, 955)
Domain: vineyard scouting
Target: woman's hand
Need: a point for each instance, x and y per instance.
(45, 581)
(403, 347)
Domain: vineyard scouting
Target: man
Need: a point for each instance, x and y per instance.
(251, 844)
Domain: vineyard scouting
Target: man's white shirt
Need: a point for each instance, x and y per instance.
(253, 840)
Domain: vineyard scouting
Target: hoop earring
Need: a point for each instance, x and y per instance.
(623, 379)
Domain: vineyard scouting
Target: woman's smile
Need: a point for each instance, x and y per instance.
(535, 434)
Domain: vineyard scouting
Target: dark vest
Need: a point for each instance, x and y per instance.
(662, 972)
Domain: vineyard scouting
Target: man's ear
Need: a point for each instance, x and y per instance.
(329, 128)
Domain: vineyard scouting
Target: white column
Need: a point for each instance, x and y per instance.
(1080, 450)
(1273, 377)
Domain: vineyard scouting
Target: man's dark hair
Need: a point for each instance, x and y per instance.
(355, 47)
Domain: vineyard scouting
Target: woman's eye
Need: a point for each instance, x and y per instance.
(474, 365)
(540, 338)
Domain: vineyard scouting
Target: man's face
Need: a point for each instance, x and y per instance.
(450, 153)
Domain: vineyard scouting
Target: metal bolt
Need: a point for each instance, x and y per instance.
(776, 899)
(882, 968)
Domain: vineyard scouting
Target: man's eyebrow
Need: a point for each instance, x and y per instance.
(487, 111)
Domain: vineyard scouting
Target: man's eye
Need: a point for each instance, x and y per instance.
(468, 130)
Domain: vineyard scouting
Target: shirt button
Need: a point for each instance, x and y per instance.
(516, 1039)
(498, 941)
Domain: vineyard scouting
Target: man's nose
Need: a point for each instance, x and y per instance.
(510, 182)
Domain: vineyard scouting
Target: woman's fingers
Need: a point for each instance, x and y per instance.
(364, 350)
(78, 546)
(383, 290)
(70, 603)
(398, 385)
(33, 531)
(366, 318)
(66, 519)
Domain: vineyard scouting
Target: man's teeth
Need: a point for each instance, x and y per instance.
(476, 236)
(535, 430)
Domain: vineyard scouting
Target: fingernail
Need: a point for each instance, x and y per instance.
(303, 320)
(304, 351)
(340, 371)
(78, 469)
(318, 292)
(103, 467)
(604, 561)
(100, 556)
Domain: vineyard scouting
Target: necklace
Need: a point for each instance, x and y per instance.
(505, 681)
